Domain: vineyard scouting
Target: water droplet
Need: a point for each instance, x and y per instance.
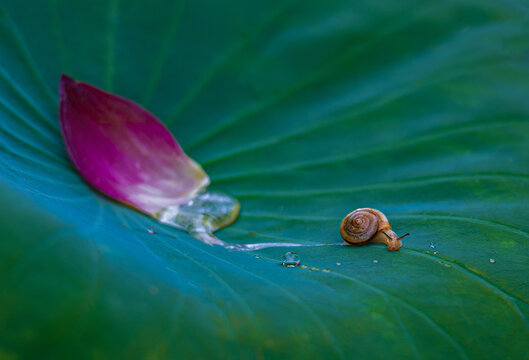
(150, 230)
(202, 215)
(314, 268)
(326, 270)
(338, 264)
(492, 261)
(303, 266)
(290, 259)
(256, 256)
(448, 265)
(375, 261)
(432, 245)
(436, 252)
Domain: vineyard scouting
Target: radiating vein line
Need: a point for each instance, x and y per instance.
(113, 13)
(76, 200)
(38, 163)
(312, 79)
(21, 140)
(14, 135)
(474, 220)
(376, 149)
(410, 307)
(288, 294)
(31, 175)
(225, 56)
(220, 280)
(52, 139)
(359, 109)
(403, 326)
(386, 296)
(26, 56)
(48, 121)
(126, 225)
(217, 277)
(161, 59)
(388, 185)
(508, 298)
(352, 111)
(423, 253)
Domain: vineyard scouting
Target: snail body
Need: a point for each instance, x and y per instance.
(368, 225)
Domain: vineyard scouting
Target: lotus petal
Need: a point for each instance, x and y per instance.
(125, 151)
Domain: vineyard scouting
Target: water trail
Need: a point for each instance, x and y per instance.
(208, 212)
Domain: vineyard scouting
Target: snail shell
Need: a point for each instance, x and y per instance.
(368, 225)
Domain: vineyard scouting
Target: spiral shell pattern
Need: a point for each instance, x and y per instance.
(359, 226)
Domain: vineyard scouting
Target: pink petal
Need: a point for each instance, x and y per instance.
(125, 151)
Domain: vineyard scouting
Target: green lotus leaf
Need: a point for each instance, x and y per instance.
(304, 111)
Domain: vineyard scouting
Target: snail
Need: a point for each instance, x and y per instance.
(369, 226)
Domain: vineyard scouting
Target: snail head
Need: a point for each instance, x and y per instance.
(390, 238)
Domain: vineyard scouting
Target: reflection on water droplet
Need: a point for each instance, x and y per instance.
(290, 259)
(432, 245)
(326, 270)
(256, 256)
(338, 264)
(303, 266)
(375, 261)
(201, 216)
(436, 252)
(492, 261)
(150, 230)
(314, 268)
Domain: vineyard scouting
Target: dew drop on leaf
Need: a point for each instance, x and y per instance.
(202, 215)
(290, 259)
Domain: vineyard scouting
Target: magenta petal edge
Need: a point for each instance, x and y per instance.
(125, 151)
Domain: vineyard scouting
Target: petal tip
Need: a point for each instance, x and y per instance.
(66, 83)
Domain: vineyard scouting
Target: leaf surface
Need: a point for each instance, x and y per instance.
(304, 111)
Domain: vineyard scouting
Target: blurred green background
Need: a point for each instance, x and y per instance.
(305, 111)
